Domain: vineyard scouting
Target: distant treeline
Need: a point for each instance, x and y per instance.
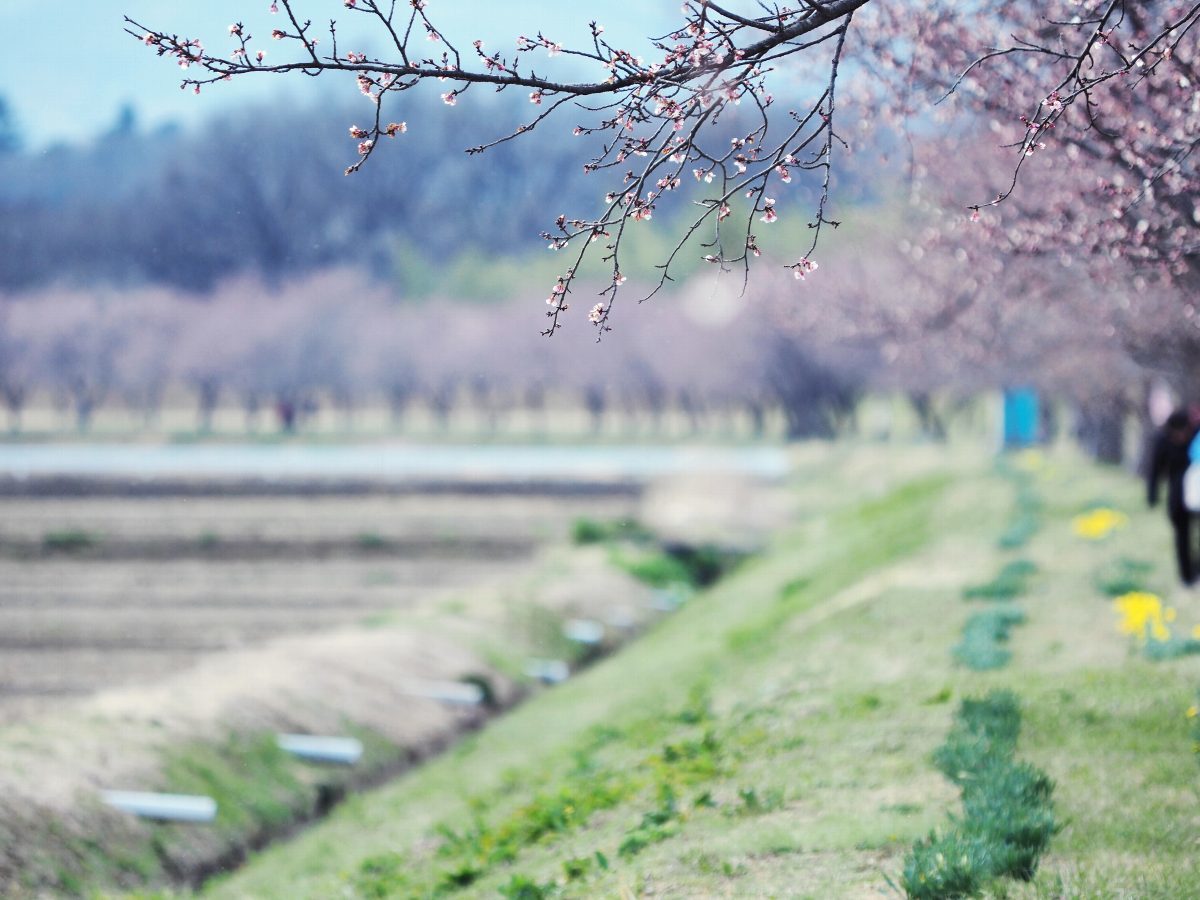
(262, 191)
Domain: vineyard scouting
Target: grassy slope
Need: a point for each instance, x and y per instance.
(791, 712)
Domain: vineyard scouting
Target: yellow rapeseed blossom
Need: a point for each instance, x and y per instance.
(1192, 712)
(1098, 524)
(1196, 632)
(1142, 616)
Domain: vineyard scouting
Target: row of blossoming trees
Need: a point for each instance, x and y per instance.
(898, 316)
(337, 341)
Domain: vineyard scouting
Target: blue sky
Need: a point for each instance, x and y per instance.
(67, 67)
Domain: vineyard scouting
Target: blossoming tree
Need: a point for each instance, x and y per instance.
(1106, 205)
(703, 109)
(1108, 90)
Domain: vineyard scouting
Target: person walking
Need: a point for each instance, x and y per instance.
(1170, 460)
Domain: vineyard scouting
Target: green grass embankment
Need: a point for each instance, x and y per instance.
(777, 735)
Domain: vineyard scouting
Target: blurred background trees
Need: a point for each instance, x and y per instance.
(237, 266)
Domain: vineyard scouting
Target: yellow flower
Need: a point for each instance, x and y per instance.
(1196, 632)
(1142, 616)
(1192, 712)
(1098, 524)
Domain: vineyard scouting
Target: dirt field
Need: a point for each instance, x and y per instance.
(161, 624)
(102, 592)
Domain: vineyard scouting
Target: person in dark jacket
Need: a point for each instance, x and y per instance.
(1170, 460)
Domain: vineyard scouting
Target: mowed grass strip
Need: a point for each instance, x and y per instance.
(775, 737)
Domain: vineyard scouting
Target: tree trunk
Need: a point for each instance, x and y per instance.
(14, 400)
(757, 411)
(596, 403)
(84, 407)
(1101, 432)
(931, 423)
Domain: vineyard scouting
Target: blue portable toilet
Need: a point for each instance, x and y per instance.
(1022, 418)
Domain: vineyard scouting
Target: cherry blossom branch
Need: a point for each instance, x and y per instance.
(1075, 84)
(649, 122)
(669, 111)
